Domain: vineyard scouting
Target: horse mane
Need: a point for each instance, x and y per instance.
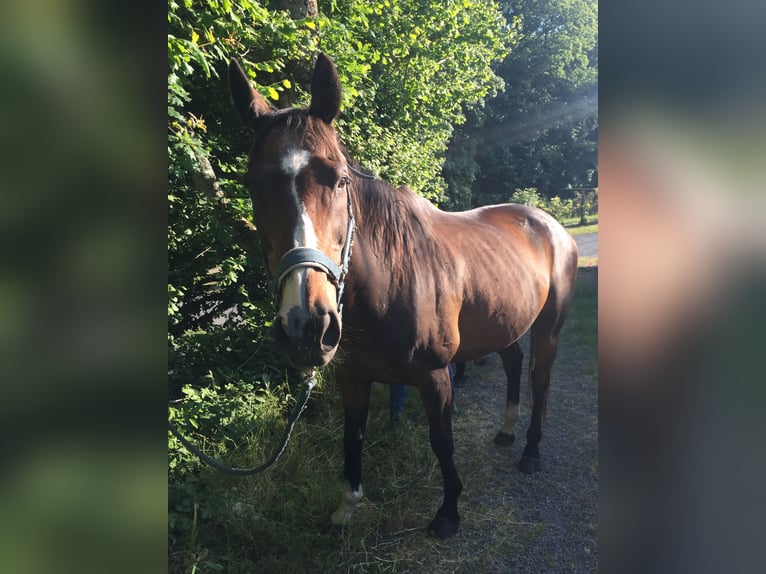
(392, 220)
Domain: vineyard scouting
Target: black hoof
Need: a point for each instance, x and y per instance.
(504, 439)
(529, 465)
(442, 527)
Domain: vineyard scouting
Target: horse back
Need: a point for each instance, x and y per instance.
(508, 263)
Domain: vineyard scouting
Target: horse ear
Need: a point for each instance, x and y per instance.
(325, 90)
(249, 103)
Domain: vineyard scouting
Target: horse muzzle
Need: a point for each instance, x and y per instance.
(309, 286)
(309, 338)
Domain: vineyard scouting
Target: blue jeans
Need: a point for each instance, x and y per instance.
(396, 398)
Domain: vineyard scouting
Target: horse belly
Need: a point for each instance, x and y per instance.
(482, 333)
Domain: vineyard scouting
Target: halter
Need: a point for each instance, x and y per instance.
(313, 258)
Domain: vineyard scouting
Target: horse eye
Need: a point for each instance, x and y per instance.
(343, 182)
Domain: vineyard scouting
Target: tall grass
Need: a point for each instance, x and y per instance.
(278, 521)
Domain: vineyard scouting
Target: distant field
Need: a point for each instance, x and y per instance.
(573, 225)
(583, 229)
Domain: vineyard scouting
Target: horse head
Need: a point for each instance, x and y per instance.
(299, 183)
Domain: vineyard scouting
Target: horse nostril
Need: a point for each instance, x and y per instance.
(306, 335)
(280, 335)
(331, 334)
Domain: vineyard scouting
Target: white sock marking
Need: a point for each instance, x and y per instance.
(347, 504)
(511, 418)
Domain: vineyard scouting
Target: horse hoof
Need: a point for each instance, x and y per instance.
(529, 465)
(340, 517)
(442, 527)
(504, 439)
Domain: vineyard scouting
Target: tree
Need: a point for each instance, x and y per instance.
(409, 67)
(541, 132)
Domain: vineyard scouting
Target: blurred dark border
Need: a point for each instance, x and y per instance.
(83, 286)
(682, 118)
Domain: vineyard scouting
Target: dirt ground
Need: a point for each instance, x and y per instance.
(551, 523)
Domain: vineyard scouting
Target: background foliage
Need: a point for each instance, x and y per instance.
(542, 131)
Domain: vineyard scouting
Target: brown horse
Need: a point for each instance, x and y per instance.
(418, 287)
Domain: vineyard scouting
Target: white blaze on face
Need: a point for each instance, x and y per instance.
(294, 285)
(292, 164)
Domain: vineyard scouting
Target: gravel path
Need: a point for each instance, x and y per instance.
(552, 515)
(587, 244)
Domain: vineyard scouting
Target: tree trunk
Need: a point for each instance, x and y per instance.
(297, 9)
(243, 231)
(302, 70)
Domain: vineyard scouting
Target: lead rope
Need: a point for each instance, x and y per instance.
(310, 381)
(309, 377)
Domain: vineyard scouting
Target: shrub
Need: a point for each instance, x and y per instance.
(558, 208)
(527, 196)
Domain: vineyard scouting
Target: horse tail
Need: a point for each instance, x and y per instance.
(529, 394)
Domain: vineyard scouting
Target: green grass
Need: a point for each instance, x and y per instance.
(575, 221)
(583, 229)
(581, 327)
(582, 322)
(278, 521)
(573, 225)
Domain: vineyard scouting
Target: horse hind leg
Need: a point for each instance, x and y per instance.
(513, 358)
(544, 340)
(543, 346)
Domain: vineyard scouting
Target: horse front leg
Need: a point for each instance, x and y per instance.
(436, 395)
(356, 400)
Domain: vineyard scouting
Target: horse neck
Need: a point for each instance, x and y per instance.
(390, 225)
